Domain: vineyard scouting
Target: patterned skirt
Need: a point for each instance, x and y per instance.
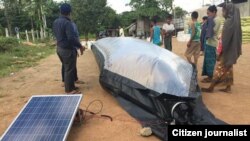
(209, 61)
(223, 76)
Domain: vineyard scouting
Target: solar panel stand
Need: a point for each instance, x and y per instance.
(79, 118)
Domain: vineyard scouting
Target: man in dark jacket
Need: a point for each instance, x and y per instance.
(66, 43)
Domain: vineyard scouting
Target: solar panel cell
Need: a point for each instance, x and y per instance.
(45, 118)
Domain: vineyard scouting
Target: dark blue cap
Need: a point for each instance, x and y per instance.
(65, 9)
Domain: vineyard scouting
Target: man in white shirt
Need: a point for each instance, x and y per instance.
(168, 29)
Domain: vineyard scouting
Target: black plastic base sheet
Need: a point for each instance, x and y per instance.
(153, 109)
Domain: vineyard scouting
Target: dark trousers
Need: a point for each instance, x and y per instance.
(168, 43)
(68, 60)
(76, 77)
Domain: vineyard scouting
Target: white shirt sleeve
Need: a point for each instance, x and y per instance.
(172, 26)
(167, 27)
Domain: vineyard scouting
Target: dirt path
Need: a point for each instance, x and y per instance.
(45, 79)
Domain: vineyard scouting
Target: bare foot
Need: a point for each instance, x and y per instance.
(206, 80)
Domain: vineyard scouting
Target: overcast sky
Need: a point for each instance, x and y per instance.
(188, 5)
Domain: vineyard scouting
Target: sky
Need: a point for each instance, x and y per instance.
(119, 5)
(189, 5)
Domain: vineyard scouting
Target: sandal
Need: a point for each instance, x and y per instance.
(79, 82)
(74, 92)
(226, 90)
(77, 88)
(207, 90)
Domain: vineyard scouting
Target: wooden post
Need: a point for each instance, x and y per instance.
(32, 34)
(27, 36)
(41, 33)
(18, 37)
(37, 35)
(6, 32)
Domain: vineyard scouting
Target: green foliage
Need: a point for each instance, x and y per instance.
(179, 12)
(152, 8)
(88, 14)
(126, 18)
(7, 44)
(166, 5)
(91, 16)
(109, 19)
(52, 12)
(28, 14)
(146, 8)
(90, 36)
(21, 57)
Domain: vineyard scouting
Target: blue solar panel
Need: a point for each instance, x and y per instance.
(44, 118)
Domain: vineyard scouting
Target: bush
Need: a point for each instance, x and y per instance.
(7, 44)
(2, 33)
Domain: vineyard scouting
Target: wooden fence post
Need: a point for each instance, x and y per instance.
(37, 35)
(32, 34)
(6, 32)
(27, 36)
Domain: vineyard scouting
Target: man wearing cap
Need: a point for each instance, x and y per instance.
(66, 43)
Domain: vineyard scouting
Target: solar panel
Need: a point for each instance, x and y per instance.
(44, 118)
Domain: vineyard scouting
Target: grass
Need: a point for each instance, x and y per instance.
(22, 57)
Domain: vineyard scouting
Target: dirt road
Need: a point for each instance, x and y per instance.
(45, 78)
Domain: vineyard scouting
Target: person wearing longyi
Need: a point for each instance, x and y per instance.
(168, 29)
(212, 32)
(229, 51)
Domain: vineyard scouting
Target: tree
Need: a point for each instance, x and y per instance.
(27, 14)
(152, 8)
(128, 17)
(166, 5)
(109, 19)
(52, 12)
(88, 15)
(10, 8)
(179, 12)
(37, 12)
(146, 8)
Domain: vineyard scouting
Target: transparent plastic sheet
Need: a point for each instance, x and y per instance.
(147, 64)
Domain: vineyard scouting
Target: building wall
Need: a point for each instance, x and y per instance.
(244, 8)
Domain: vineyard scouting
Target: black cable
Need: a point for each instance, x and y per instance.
(86, 110)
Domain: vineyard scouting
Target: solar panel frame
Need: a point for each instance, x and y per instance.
(61, 95)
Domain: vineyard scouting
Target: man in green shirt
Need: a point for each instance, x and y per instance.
(193, 46)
